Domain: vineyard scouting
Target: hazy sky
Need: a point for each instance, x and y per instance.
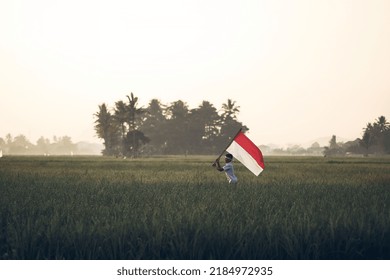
(299, 69)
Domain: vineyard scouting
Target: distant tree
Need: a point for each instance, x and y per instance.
(230, 110)
(204, 128)
(210, 121)
(333, 143)
(64, 146)
(354, 147)
(383, 124)
(177, 128)
(383, 127)
(20, 145)
(135, 139)
(43, 146)
(315, 149)
(9, 139)
(195, 131)
(134, 121)
(121, 115)
(296, 150)
(154, 126)
(386, 141)
(135, 113)
(229, 123)
(172, 129)
(315, 145)
(129, 118)
(368, 138)
(107, 128)
(375, 136)
(334, 148)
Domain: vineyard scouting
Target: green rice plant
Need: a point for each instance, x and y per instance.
(181, 208)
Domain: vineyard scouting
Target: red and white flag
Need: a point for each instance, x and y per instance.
(243, 149)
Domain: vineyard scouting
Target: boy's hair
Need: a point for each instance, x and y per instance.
(229, 156)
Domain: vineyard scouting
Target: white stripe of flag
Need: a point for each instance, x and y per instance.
(244, 150)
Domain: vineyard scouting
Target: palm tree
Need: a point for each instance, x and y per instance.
(230, 110)
(204, 123)
(106, 129)
(121, 116)
(154, 126)
(375, 136)
(383, 124)
(177, 128)
(133, 112)
(229, 123)
(103, 121)
(210, 119)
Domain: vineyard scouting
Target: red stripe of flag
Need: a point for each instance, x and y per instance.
(250, 147)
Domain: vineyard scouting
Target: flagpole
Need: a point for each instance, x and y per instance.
(228, 145)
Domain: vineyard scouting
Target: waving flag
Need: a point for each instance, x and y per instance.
(244, 150)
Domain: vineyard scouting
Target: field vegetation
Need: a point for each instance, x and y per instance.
(182, 208)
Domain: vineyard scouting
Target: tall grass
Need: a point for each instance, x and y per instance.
(181, 208)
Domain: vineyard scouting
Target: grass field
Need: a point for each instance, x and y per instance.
(182, 208)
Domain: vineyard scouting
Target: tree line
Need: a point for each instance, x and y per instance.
(375, 140)
(20, 145)
(160, 129)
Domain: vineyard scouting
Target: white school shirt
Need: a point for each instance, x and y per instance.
(229, 171)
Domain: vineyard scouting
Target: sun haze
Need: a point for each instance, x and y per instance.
(299, 70)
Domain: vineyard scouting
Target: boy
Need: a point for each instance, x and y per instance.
(228, 168)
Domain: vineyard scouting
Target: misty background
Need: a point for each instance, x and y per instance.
(301, 71)
(128, 130)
